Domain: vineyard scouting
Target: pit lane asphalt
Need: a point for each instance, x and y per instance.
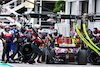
(54, 65)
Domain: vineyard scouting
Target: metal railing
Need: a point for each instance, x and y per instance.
(12, 7)
(14, 3)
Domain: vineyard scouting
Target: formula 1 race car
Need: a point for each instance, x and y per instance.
(65, 53)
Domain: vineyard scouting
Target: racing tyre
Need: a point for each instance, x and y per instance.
(82, 57)
(94, 58)
(49, 57)
(27, 49)
(43, 54)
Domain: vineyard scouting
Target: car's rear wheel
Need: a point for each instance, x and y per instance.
(82, 57)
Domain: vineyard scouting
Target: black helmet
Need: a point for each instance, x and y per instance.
(29, 36)
(95, 30)
(55, 31)
(90, 33)
(14, 25)
(23, 29)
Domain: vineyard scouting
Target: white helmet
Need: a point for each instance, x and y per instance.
(18, 25)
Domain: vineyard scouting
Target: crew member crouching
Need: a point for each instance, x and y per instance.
(36, 49)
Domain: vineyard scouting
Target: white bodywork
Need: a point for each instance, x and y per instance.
(65, 50)
(67, 45)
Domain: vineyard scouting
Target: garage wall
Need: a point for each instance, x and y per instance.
(98, 9)
(63, 29)
(98, 6)
(73, 10)
(97, 22)
(94, 25)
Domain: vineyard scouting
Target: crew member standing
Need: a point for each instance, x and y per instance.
(54, 38)
(17, 42)
(6, 36)
(41, 33)
(51, 30)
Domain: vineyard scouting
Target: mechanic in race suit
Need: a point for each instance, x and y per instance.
(36, 48)
(7, 37)
(51, 30)
(17, 42)
(54, 38)
(14, 29)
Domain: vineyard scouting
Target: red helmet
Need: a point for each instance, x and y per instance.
(40, 28)
(51, 27)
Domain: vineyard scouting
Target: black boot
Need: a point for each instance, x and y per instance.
(12, 61)
(39, 61)
(31, 61)
(3, 60)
